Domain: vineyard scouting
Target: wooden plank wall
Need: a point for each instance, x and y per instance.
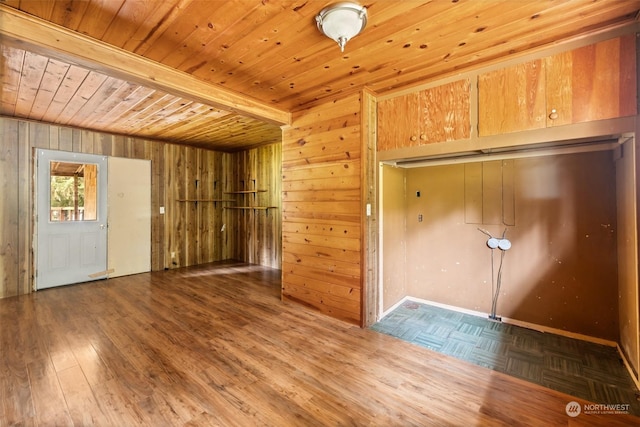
(322, 209)
(190, 230)
(193, 221)
(257, 233)
(15, 204)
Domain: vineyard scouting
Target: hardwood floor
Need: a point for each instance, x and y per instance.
(214, 345)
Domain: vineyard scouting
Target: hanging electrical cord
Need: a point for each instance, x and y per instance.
(503, 244)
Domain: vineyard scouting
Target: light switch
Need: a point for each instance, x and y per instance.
(161, 210)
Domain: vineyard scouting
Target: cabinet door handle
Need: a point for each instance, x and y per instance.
(554, 114)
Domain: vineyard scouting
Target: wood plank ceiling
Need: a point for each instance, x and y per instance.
(267, 51)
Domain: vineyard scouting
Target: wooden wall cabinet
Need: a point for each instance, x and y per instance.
(432, 115)
(595, 82)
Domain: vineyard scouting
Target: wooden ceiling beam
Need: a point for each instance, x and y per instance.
(27, 32)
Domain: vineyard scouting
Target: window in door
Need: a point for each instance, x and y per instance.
(73, 191)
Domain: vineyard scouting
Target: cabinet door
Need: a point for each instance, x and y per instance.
(512, 99)
(397, 121)
(445, 113)
(595, 82)
(432, 115)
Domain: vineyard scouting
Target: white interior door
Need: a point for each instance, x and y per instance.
(71, 243)
(129, 206)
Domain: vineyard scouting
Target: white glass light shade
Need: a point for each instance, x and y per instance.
(342, 21)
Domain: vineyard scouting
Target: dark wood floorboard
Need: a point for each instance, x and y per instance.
(214, 346)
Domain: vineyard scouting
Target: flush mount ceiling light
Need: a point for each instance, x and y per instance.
(342, 21)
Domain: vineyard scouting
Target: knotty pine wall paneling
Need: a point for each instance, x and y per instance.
(257, 233)
(15, 226)
(191, 230)
(194, 222)
(212, 168)
(322, 208)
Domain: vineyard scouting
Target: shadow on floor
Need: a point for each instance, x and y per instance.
(579, 368)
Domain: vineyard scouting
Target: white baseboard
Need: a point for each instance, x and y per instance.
(449, 307)
(393, 307)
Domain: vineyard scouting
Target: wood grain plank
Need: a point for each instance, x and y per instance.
(97, 17)
(332, 267)
(25, 208)
(205, 29)
(321, 195)
(339, 290)
(100, 101)
(522, 105)
(194, 19)
(135, 95)
(206, 213)
(559, 88)
(89, 86)
(628, 79)
(11, 75)
(42, 8)
(327, 147)
(191, 183)
(73, 79)
(129, 18)
(9, 220)
(325, 171)
(349, 182)
(69, 15)
(54, 73)
(398, 120)
(248, 360)
(32, 74)
(37, 134)
(48, 397)
(444, 112)
(340, 242)
(314, 248)
(84, 409)
(336, 229)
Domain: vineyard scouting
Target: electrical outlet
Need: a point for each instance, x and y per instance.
(173, 254)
